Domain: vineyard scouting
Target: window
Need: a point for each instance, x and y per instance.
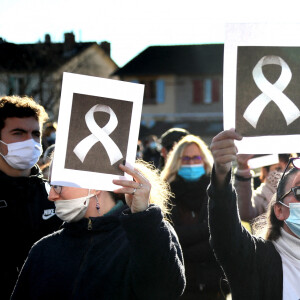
(206, 91)
(154, 91)
(216, 87)
(16, 85)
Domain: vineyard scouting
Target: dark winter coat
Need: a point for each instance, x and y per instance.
(117, 256)
(252, 265)
(189, 216)
(26, 215)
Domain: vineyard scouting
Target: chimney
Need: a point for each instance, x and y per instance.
(69, 43)
(106, 47)
(47, 39)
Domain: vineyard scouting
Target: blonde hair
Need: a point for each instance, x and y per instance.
(173, 160)
(160, 190)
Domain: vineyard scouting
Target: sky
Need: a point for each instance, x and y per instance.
(133, 25)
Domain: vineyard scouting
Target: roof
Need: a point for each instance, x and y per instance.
(35, 57)
(179, 59)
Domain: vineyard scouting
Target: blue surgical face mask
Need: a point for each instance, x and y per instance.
(293, 221)
(152, 145)
(191, 172)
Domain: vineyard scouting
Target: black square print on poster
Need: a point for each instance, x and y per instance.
(98, 134)
(268, 90)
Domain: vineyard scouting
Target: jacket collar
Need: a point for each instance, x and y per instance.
(97, 224)
(34, 172)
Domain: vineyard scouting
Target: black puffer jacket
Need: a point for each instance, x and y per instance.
(189, 216)
(115, 257)
(26, 215)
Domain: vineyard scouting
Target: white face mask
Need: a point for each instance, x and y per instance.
(22, 155)
(74, 209)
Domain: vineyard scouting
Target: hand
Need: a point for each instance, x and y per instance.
(137, 193)
(242, 161)
(224, 152)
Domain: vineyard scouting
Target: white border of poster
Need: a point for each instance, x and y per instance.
(99, 87)
(255, 35)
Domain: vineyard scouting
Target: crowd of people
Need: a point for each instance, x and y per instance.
(173, 232)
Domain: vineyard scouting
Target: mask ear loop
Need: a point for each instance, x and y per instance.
(97, 204)
(283, 204)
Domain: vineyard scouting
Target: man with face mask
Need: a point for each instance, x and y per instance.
(26, 215)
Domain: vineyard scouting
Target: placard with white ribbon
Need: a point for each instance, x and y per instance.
(99, 135)
(261, 94)
(271, 92)
(98, 127)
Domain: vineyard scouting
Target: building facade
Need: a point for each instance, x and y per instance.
(36, 70)
(183, 87)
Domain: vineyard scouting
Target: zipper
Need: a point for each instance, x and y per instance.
(90, 225)
(83, 263)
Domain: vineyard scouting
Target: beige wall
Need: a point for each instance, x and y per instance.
(169, 105)
(184, 98)
(93, 61)
(178, 97)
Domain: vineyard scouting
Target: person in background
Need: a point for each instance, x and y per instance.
(254, 202)
(26, 215)
(108, 249)
(187, 169)
(139, 150)
(257, 268)
(46, 161)
(151, 153)
(49, 135)
(167, 141)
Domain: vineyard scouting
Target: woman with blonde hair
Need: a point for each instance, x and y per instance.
(188, 169)
(176, 158)
(110, 246)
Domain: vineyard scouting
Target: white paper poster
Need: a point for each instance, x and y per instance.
(98, 127)
(262, 86)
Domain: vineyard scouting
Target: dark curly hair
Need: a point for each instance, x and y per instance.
(20, 107)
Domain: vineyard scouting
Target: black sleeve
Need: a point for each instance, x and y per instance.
(192, 233)
(156, 260)
(22, 287)
(233, 245)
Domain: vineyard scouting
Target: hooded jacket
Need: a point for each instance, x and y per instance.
(26, 215)
(116, 256)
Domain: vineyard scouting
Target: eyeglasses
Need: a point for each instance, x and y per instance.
(187, 159)
(295, 162)
(296, 189)
(57, 188)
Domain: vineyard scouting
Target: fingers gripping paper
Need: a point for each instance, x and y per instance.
(98, 128)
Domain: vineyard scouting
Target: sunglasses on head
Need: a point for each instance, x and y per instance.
(296, 189)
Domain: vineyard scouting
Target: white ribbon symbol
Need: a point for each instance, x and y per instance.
(99, 134)
(271, 92)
